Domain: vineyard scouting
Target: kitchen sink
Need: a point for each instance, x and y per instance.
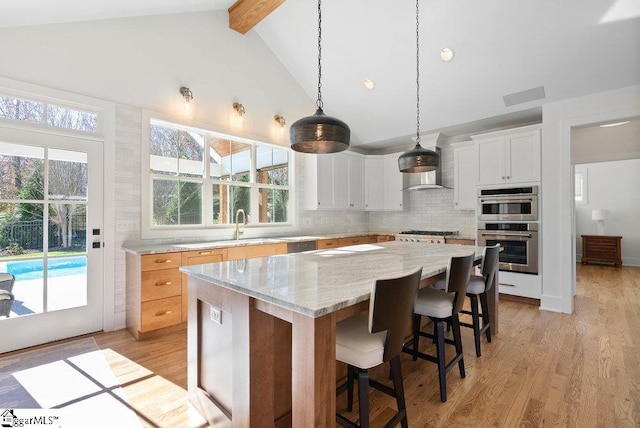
(228, 243)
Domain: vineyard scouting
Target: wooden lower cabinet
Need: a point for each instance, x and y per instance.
(324, 244)
(253, 251)
(459, 241)
(154, 292)
(157, 292)
(385, 238)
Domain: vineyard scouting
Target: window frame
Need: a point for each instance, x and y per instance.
(208, 229)
(97, 134)
(583, 172)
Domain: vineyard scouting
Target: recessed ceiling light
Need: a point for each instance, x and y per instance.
(609, 125)
(369, 84)
(446, 54)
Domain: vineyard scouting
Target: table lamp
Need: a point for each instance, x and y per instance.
(599, 216)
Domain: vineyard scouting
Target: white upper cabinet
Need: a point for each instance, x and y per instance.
(356, 181)
(383, 183)
(334, 181)
(374, 183)
(393, 183)
(510, 156)
(465, 178)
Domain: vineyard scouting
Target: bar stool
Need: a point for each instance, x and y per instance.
(443, 306)
(365, 340)
(477, 289)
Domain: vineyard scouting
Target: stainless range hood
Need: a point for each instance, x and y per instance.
(424, 180)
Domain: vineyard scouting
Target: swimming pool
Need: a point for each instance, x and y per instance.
(63, 266)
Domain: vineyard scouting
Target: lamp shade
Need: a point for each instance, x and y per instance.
(418, 159)
(598, 215)
(319, 134)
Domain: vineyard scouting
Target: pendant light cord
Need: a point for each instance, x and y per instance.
(319, 100)
(417, 73)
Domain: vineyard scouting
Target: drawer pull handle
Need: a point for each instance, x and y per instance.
(161, 313)
(328, 244)
(204, 253)
(163, 261)
(160, 284)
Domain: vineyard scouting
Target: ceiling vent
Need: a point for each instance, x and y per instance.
(524, 96)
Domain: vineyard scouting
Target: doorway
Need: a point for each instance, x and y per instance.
(51, 228)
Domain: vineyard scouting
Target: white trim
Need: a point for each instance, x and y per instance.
(558, 235)
(108, 225)
(104, 133)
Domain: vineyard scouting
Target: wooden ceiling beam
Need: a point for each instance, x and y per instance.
(245, 14)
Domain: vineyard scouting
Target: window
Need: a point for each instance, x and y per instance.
(43, 113)
(200, 179)
(581, 185)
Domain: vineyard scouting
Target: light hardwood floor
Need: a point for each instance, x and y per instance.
(544, 369)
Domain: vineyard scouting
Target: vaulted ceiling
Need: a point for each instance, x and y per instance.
(568, 48)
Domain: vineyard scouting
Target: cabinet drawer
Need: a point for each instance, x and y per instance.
(385, 238)
(252, 251)
(356, 240)
(160, 313)
(203, 256)
(323, 244)
(161, 283)
(160, 261)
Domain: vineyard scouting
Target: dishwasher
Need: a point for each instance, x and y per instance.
(300, 246)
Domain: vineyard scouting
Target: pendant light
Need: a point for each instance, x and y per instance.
(418, 159)
(319, 133)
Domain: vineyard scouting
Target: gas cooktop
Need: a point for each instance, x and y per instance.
(429, 232)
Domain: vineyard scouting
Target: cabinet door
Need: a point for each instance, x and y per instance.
(374, 183)
(324, 181)
(465, 161)
(522, 152)
(340, 180)
(393, 183)
(491, 161)
(356, 182)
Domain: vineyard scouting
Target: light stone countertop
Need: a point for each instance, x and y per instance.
(318, 282)
(141, 249)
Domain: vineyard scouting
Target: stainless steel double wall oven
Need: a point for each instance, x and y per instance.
(509, 216)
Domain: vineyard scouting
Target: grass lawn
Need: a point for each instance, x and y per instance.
(41, 254)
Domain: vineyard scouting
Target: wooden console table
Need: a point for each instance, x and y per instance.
(602, 249)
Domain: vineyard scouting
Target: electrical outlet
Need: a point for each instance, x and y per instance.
(306, 221)
(215, 314)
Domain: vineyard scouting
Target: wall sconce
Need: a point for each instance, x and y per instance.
(599, 216)
(280, 120)
(188, 98)
(240, 111)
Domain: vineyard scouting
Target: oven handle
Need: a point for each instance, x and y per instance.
(517, 235)
(507, 200)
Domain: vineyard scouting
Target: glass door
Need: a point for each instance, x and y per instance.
(51, 261)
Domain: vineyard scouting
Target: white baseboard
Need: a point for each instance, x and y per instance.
(554, 304)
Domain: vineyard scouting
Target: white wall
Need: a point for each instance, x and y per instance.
(143, 62)
(558, 235)
(613, 186)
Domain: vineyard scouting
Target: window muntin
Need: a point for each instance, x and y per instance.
(43, 113)
(68, 118)
(21, 109)
(176, 152)
(243, 175)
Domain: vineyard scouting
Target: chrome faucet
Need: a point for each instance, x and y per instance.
(239, 230)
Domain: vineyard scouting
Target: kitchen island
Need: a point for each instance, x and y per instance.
(261, 336)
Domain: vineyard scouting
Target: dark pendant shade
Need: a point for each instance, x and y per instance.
(319, 134)
(418, 159)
